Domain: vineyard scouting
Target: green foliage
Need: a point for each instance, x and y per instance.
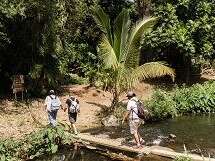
(162, 105)
(46, 141)
(48, 40)
(196, 99)
(185, 27)
(114, 7)
(182, 159)
(120, 51)
(199, 98)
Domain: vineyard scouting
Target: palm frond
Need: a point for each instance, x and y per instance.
(133, 48)
(121, 27)
(103, 21)
(108, 54)
(150, 70)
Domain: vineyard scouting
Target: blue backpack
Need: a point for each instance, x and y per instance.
(55, 103)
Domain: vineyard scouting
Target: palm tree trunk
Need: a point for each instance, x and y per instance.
(115, 100)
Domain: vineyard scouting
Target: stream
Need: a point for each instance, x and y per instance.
(197, 133)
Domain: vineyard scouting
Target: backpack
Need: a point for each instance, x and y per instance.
(55, 103)
(74, 107)
(142, 112)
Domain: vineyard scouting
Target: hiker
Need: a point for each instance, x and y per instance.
(52, 105)
(134, 120)
(73, 110)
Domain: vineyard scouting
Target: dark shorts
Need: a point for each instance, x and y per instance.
(72, 117)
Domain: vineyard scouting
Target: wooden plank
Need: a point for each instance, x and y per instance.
(156, 150)
(107, 143)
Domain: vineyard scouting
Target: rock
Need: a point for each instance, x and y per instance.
(95, 94)
(110, 121)
(156, 142)
(172, 136)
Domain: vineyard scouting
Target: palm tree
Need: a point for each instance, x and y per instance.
(120, 50)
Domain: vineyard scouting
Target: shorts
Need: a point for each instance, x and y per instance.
(134, 125)
(72, 117)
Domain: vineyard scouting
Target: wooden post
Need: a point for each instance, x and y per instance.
(18, 85)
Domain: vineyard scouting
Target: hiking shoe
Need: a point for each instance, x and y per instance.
(142, 141)
(76, 133)
(137, 146)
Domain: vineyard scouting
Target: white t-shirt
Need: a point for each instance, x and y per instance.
(132, 108)
(48, 101)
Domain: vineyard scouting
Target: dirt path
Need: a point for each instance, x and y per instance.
(17, 120)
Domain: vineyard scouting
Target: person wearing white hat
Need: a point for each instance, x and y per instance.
(52, 105)
(134, 120)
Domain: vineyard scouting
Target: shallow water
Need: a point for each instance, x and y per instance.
(84, 154)
(195, 132)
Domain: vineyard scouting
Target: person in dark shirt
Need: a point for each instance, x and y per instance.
(73, 107)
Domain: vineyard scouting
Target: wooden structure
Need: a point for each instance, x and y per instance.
(155, 150)
(18, 85)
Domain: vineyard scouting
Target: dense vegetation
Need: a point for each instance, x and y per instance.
(51, 42)
(199, 98)
(184, 36)
(45, 141)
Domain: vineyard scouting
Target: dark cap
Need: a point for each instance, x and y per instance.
(130, 94)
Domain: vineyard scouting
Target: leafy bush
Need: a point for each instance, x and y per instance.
(45, 141)
(199, 98)
(162, 105)
(182, 159)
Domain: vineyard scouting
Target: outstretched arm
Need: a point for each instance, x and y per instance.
(125, 117)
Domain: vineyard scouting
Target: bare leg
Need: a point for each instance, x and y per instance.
(74, 128)
(141, 139)
(137, 139)
(22, 95)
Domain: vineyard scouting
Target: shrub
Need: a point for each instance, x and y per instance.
(45, 141)
(162, 105)
(199, 98)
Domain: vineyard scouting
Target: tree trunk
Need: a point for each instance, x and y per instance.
(115, 100)
(143, 8)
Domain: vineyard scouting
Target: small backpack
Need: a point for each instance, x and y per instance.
(74, 107)
(55, 103)
(142, 113)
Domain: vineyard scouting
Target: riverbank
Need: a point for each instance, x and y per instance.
(17, 119)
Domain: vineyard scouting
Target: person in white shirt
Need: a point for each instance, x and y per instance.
(134, 120)
(52, 105)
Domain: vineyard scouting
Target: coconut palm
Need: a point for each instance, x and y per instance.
(120, 50)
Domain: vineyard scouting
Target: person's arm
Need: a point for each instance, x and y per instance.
(68, 102)
(78, 105)
(47, 104)
(125, 117)
(127, 113)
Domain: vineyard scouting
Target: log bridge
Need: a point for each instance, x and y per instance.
(154, 150)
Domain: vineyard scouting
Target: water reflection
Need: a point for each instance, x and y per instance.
(90, 155)
(74, 155)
